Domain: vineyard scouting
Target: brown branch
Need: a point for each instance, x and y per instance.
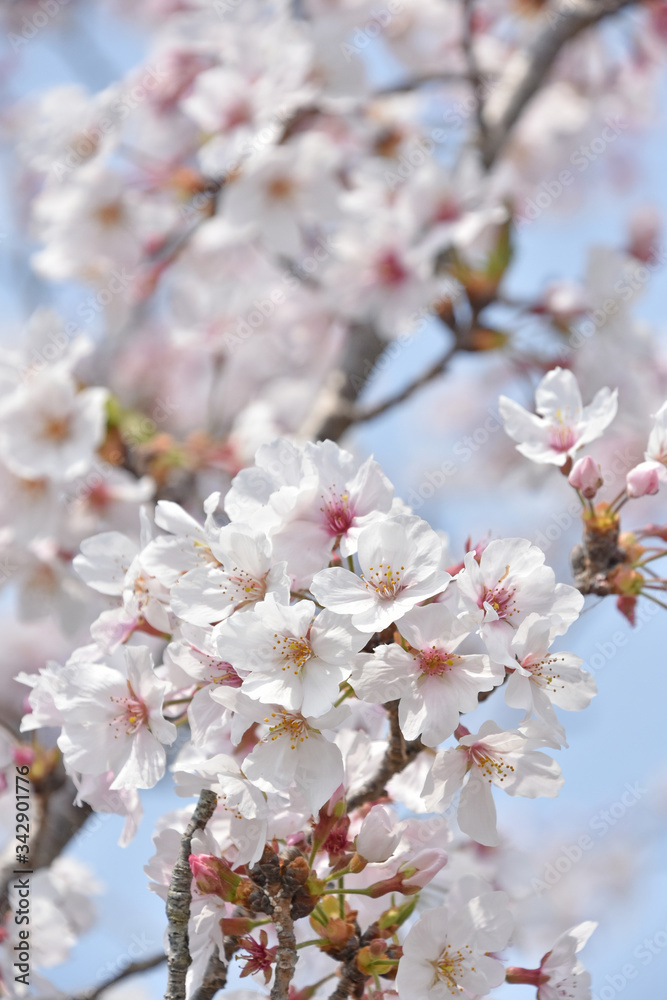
(131, 970)
(361, 352)
(527, 70)
(473, 69)
(179, 899)
(437, 368)
(398, 755)
(215, 977)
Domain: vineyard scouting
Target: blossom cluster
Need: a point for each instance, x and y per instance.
(289, 614)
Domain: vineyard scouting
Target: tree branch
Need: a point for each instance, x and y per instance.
(131, 970)
(528, 68)
(437, 368)
(179, 899)
(362, 350)
(215, 977)
(398, 755)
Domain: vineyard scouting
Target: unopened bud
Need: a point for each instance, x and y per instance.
(213, 877)
(586, 477)
(644, 479)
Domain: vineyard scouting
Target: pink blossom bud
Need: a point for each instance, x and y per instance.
(23, 755)
(412, 875)
(376, 840)
(422, 868)
(644, 479)
(213, 877)
(585, 477)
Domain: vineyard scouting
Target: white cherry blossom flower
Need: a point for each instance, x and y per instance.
(289, 656)
(400, 565)
(492, 756)
(246, 572)
(292, 750)
(113, 721)
(560, 976)
(446, 953)
(433, 682)
(562, 973)
(48, 429)
(562, 425)
(542, 679)
(509, 582)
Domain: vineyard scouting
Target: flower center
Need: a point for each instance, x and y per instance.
(244, 588)
(435, 662)
(384, 580)
(544, 670)
(562, 437)
(338, 515)
(132, 713)
(294, 727)
(490, 764)
(389, 269)
(295, 652)
(450, 965)
(280, 187)
(56, 428)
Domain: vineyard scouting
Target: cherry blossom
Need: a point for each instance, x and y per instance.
(49, 429)
(507, 759)
(562, 425)
(400, 566)
(288, 656)
(446, 952)
(113, 721)
(510, 582)
(432, 681)
(542, 679)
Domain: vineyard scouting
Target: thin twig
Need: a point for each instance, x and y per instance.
(131, 970)
(527, 70)
(473, 69)
(437, 368)
(179, 899)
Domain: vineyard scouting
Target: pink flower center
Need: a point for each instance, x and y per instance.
(338, 514)
(561, 437)
(224, 673)
(244, 588)
(132, 713)
(389, 269)
(435, 662)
